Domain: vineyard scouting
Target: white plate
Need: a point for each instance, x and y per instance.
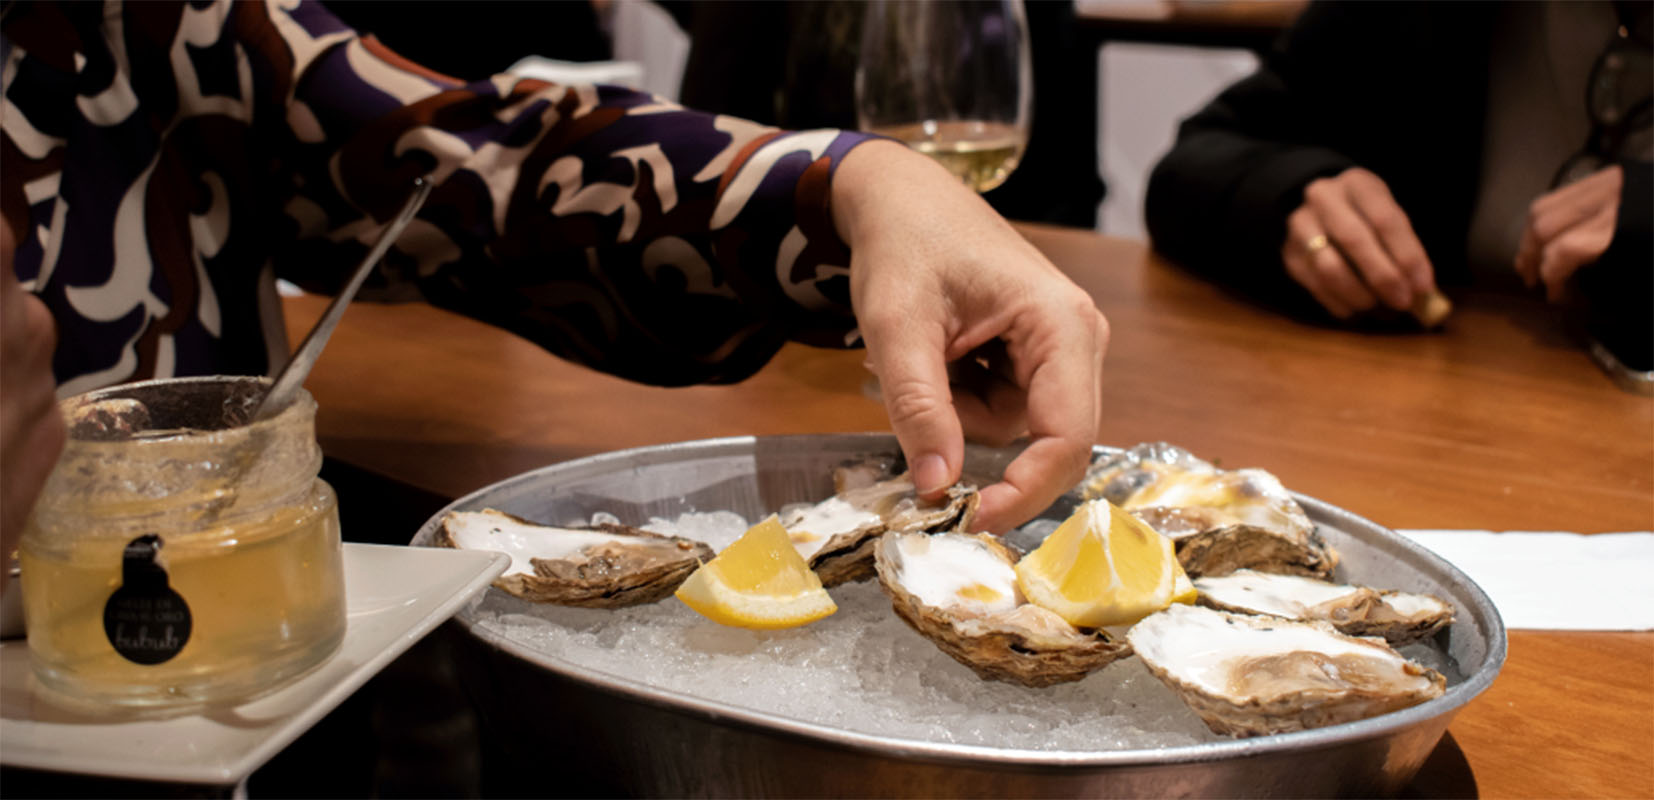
(393, 596)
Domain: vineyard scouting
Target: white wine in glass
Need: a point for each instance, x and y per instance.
(951, 79)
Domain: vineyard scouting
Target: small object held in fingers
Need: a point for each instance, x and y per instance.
(1431, 308)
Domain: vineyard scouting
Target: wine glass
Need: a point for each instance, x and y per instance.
(950, 78)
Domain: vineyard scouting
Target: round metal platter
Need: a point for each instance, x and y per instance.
(621, 734)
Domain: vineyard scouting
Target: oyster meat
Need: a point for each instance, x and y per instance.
(1249, 675)
(1401, 618)
(1220, 520)
(836, 535)
(607, 566)
(959, 590)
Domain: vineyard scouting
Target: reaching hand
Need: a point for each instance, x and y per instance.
(31, 429)
(1569, 228)
(1351, 245)
(941, 284)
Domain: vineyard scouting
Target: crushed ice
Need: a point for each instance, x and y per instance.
(861, 670)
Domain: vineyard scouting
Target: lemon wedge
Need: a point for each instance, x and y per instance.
(760, 581)
(1103, 566)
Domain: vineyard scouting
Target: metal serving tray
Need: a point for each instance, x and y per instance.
(599, 733)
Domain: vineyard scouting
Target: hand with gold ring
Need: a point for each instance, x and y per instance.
(1351, 246)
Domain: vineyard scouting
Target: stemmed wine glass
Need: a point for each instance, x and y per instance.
(950, 78)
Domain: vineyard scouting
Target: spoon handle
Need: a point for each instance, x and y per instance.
(298, 368)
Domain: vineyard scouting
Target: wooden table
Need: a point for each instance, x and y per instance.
(1499, 422)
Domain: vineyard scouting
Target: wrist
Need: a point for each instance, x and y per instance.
(851, 180)
(865, 179)
(883, 188)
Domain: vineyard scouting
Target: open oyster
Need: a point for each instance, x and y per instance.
(607, 566)
(836, 535)
(1248, 676)
(1399, 617)
(959, 590)
(1220, 520)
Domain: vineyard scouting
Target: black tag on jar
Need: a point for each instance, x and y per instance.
(146, 621)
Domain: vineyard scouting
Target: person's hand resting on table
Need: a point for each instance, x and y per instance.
(1568, 228)
(938, 278)
(31, 429)
(1351, 245)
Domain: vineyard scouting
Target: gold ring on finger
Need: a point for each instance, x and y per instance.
(1315, 244)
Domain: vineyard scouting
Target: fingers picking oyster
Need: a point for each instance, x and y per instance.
(836, 535)
(960, 591)
(1250, 676)
(1399, 617)
(1220, 520)
(605, 566)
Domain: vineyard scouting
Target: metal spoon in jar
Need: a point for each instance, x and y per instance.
(286, 385)
(122, 418)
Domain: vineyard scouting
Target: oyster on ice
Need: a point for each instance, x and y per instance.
(1220, 520)
(606, 566)
(836, 535)
(1249, 676)
(1401, 618)
(959, 590)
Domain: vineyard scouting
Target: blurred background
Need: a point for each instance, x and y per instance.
(1112, 78)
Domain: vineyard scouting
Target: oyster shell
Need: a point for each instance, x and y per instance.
(1220, 520)
(959, 591)
(1249, 676)
(607, 566)
(1399, 617)
(836, 535)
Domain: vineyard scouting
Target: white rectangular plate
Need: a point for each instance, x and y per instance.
(393, 597)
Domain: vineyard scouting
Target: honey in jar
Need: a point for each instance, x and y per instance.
(178, 556)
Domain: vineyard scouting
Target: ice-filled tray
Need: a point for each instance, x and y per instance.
(657, 700)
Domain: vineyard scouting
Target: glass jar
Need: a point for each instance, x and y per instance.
(178, 556)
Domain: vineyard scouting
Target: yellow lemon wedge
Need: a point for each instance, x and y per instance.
(1103, 566)
(760, 581)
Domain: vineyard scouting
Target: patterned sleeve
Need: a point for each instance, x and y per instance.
(609, 226)
(159, 158)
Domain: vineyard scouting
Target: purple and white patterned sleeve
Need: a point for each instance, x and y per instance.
(607, 225)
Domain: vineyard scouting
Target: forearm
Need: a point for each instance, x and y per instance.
(1222, 197)
(1218, 202)
(1344, 88)
(638, 237)
(884, 178)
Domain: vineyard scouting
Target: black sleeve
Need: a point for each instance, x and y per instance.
(1217, 203)
(1397, 88)
(1619, 287)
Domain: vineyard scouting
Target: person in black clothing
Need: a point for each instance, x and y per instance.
(1382, 147)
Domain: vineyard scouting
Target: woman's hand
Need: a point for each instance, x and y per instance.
(1569, 228)
(970, 330)
(31, 429)
(1352, 246)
